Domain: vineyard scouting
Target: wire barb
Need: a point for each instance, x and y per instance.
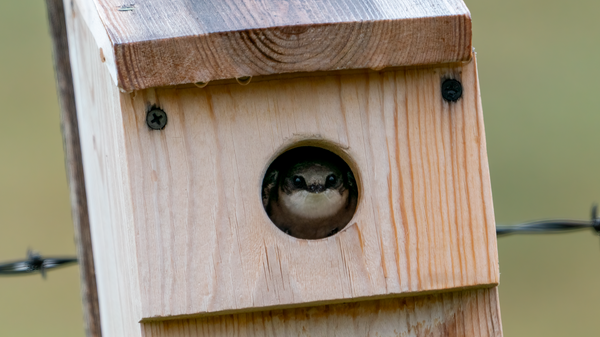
(35, 263)
(552, 226)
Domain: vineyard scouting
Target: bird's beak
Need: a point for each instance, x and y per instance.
(316, 188)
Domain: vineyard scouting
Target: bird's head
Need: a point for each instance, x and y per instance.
(314, 189)
(313, 177)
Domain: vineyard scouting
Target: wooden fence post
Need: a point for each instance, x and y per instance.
(284, 168)
(74, 166)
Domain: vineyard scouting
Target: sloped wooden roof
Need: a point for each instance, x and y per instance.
(151, 43)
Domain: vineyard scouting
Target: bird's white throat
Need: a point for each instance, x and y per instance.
(314, 205)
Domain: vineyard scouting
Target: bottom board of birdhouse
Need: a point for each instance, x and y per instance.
(459, 313)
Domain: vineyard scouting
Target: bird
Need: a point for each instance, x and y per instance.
(309, 193)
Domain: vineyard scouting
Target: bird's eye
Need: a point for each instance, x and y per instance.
(331, 180)
(299, 181)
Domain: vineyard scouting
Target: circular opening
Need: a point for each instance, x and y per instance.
(309, 193)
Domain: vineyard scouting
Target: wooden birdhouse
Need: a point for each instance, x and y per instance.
(212, 132)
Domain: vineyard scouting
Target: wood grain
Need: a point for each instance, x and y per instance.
(177, 222)
(205, 245)
(473, 313)
(101, 139)
(74, 166)
(158, 42)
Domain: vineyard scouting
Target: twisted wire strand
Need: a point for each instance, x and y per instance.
(552, 226)
(35, 263)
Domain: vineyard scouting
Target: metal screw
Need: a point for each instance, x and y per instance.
(451, 90)
(156, 119)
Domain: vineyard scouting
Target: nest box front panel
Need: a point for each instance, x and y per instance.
(424, 220)
(467, 313)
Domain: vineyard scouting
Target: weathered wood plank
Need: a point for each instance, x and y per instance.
(158, 42)
(74, 166)
(472, 313)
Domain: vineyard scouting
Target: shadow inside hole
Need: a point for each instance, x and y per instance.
(309, 193)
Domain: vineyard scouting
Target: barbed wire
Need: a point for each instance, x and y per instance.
(552, 226)
(35, 263)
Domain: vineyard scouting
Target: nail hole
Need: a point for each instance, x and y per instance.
(102, 58)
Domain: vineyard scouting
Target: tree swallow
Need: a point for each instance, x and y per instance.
(309, 193)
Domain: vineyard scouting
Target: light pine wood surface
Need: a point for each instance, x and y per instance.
(158, 42)
(424, 220)
(106, 181)
(473, 313)
(177, 223)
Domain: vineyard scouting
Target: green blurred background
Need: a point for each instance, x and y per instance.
(539, 63)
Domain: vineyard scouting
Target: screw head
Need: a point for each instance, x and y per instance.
(451, 90)
(156, 119)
